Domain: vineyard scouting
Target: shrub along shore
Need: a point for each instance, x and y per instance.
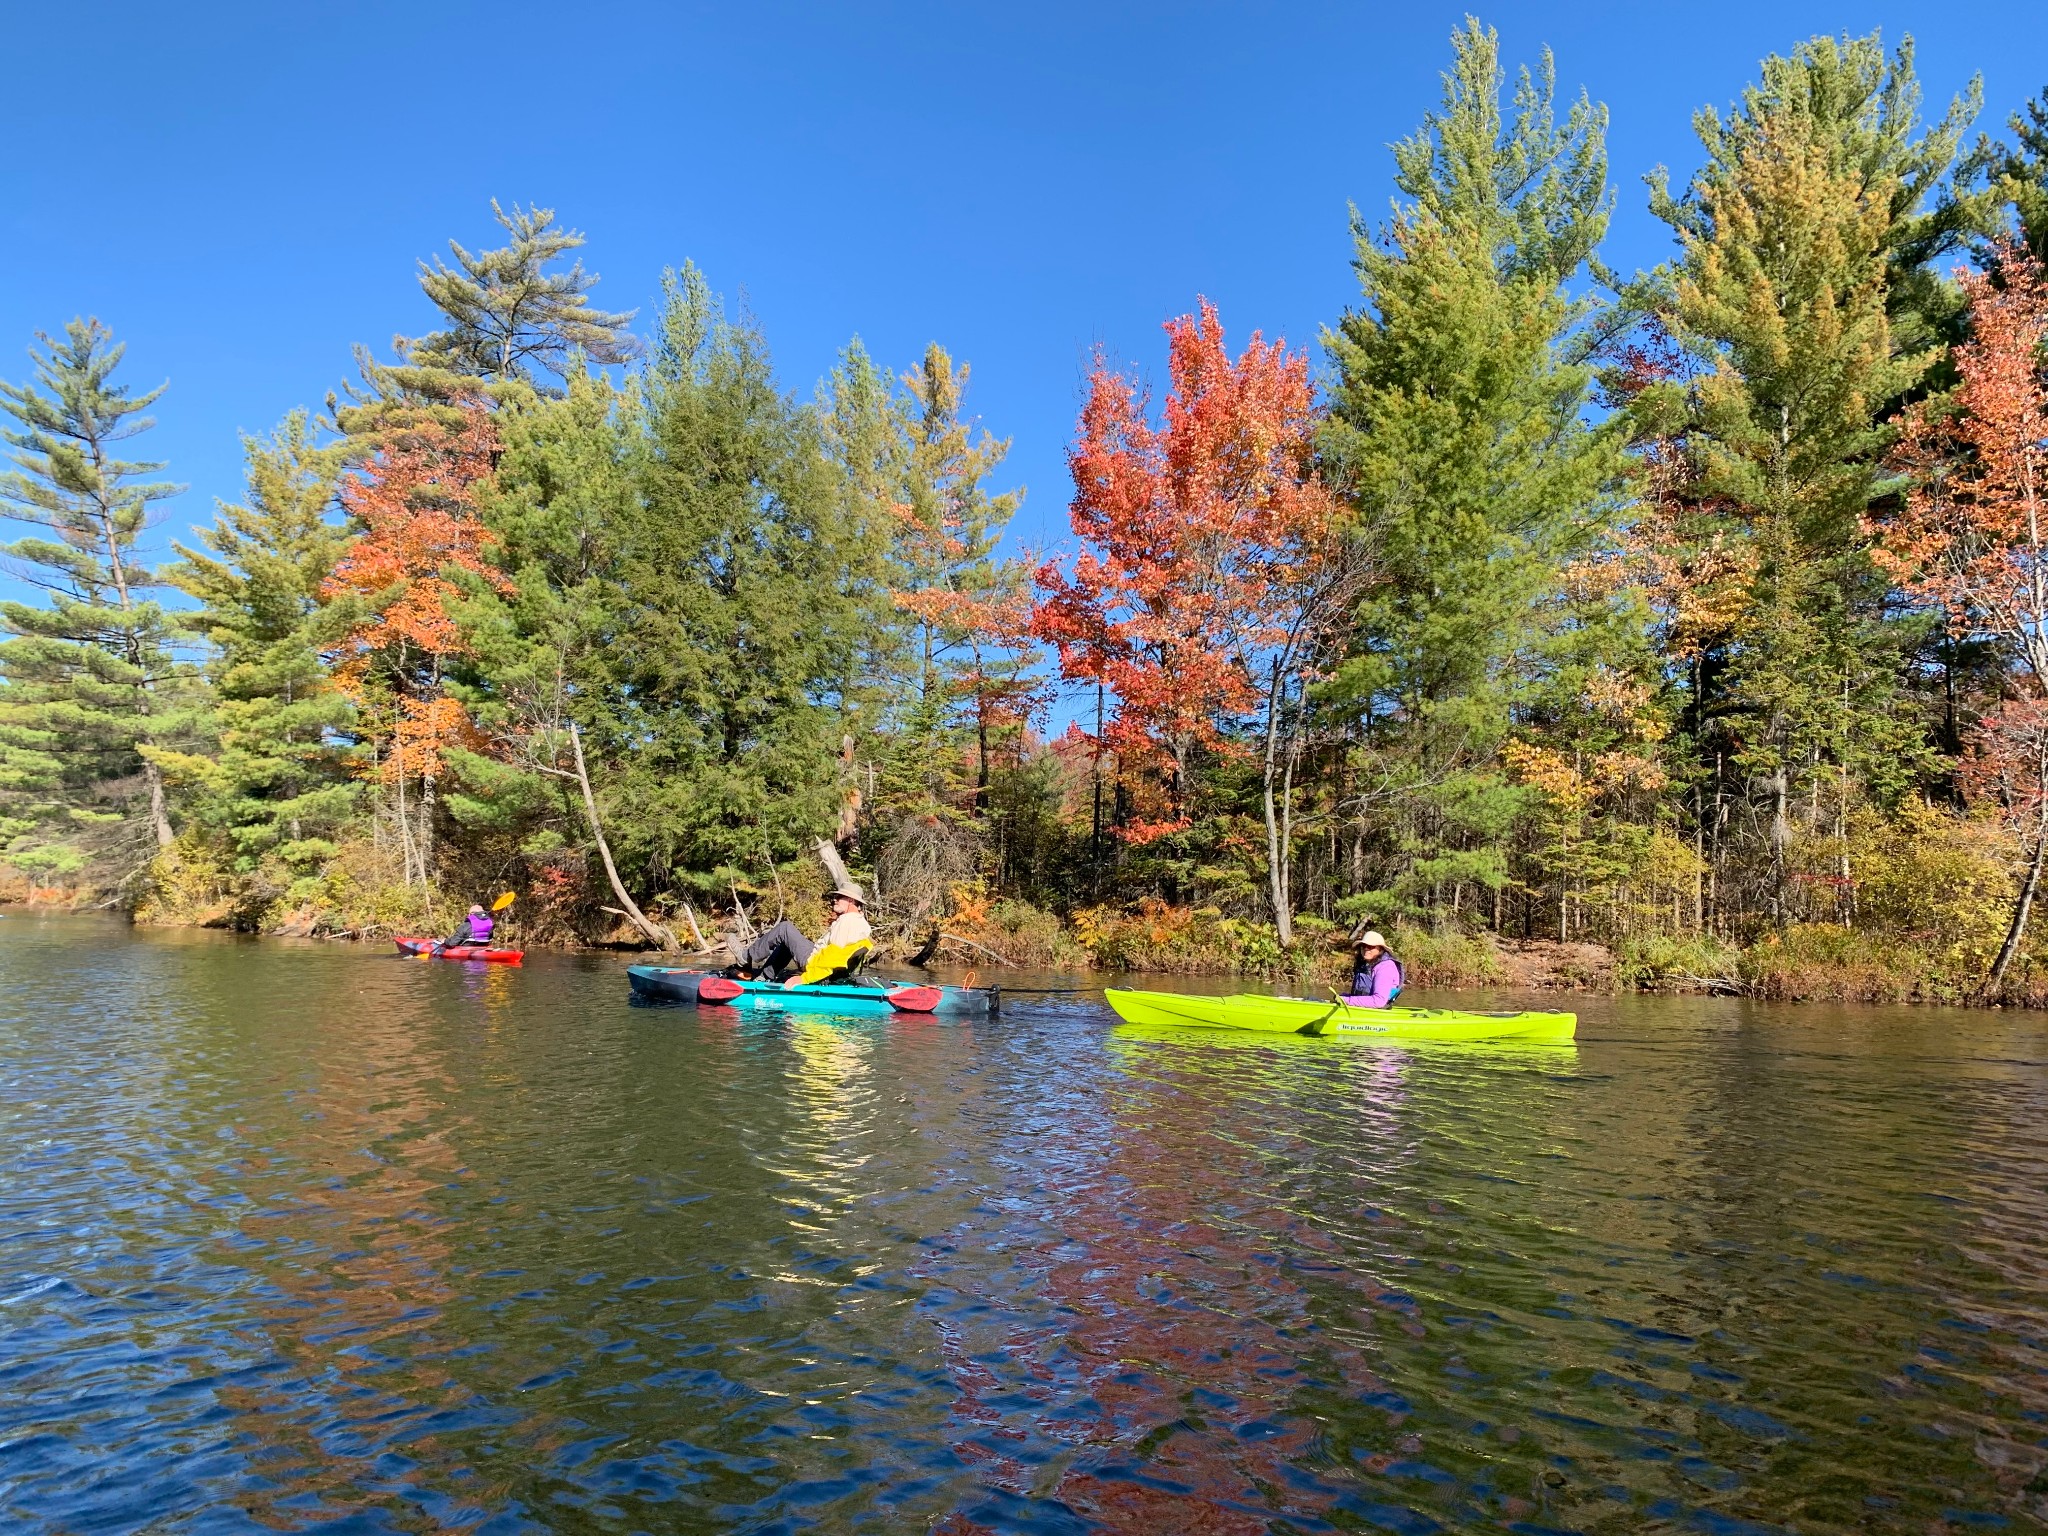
(1682, 629)
(1808, 963)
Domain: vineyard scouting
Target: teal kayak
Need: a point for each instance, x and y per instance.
(669, 984)
(1305, 1016)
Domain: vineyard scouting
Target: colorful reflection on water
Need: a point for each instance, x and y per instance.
(297, 1238)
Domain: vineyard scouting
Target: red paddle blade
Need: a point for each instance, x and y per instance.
(718, 989)
(915, 999)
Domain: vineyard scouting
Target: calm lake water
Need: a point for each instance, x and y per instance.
(299, 1237)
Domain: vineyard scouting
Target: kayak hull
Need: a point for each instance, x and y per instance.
(1251, 1012)
(669, 984)
(461, 951)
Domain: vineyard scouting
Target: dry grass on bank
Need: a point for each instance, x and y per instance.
(1934, 918)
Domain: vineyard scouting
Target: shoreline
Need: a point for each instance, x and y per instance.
(1456, 963)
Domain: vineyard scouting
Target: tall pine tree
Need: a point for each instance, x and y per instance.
(1800, 310)
(1458, 430)
(509, 316)
(94, 687)
(968, 609)
(2024, 167)
(282, 783)
(747, 594)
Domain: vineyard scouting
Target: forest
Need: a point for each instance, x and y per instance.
(1695, 617)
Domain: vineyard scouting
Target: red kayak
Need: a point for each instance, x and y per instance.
(461, 951)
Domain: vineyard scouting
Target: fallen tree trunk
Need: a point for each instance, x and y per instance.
(640, 920)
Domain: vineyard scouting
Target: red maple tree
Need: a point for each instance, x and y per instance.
(415, 503)
(1199, 534)
(1971, 537)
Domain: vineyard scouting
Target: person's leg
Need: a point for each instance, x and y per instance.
(782, 947)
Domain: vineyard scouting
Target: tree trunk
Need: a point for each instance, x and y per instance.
(404, 814)
(647, 926)
(159, 817)
(1095, 824)
(2023, 907)
(1276, 867)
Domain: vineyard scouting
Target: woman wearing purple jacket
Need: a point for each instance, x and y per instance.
(1376, 976)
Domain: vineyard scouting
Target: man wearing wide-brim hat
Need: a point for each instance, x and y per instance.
(1376, 976)
(783, 948)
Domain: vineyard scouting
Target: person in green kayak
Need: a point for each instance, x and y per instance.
(784, 948)
(1376, 976)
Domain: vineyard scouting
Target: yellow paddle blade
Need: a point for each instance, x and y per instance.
(504, 901)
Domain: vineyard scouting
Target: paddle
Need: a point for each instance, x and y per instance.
(499, 905)
(1315, 1026)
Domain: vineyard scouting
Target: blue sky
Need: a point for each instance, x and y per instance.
(242, 190)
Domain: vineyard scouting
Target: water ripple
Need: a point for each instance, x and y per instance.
(296, 1239)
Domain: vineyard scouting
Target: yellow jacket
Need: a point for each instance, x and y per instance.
(827, 958)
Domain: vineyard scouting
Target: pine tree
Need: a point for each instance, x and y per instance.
(2024, 168)
(93, 686)
(509, 315)
(282, 783)
(536, 661)
(1801, 309)
(969, 610)
(1458, 428)
(748, 596)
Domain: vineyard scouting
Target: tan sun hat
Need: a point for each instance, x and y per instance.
(1372, 938)
(851, 892)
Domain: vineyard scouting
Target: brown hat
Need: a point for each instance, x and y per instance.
(851, 892)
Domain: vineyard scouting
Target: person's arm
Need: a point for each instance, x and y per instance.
(1385, 978)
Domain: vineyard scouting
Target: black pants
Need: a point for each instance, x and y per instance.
(779, 950)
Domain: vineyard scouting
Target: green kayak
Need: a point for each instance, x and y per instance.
(1303, 1016)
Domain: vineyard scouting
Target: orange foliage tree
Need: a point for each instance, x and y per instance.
(414, 503)
(1969, 538)
(1204, 536)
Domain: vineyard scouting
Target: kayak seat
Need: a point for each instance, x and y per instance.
(848, 972)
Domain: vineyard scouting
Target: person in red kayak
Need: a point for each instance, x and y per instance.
(476, 929)
(784, 948)
(1376, 976)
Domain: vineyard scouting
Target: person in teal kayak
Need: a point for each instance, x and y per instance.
(784, 948)
(477, 928)
(1376, 976)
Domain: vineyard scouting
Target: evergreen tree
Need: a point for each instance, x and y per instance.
(747, 596)
(93, 688)
(564, 489)
(282, 781)
(1458, 428)
(508, 314)
(2024, 168)
(1800, 309)
(968, 610)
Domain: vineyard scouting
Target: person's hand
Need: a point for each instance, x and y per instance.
(791, 982)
